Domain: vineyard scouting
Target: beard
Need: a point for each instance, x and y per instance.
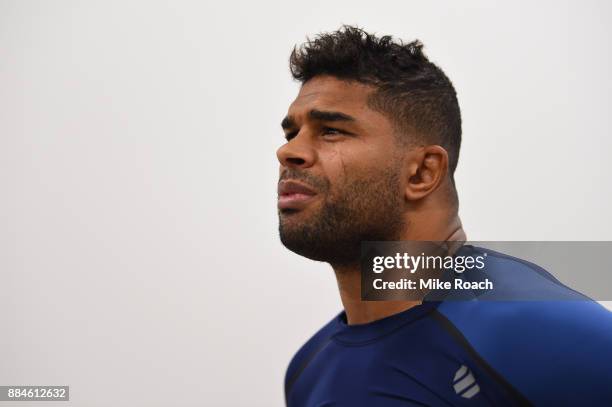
(368, 208)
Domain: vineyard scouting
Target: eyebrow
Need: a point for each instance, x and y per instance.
(322, 115)
(328, 116)
(288, 123)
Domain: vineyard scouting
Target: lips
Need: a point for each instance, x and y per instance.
(294, 195)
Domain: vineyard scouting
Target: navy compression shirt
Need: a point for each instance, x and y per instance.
(465, 353)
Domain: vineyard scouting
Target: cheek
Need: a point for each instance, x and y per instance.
(352, 160)
(333, 164)
(345, 169)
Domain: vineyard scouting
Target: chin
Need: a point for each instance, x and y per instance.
(293, 222)
(296, 214)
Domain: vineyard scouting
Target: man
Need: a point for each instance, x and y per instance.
(373, 141)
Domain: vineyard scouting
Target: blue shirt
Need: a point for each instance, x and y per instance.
(473, 352)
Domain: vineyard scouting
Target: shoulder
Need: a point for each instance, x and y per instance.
(541, 325)
(552, 351)
(518, 279)
(308, 350)
(527, 299)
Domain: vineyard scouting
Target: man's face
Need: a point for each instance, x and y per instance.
(340, 173)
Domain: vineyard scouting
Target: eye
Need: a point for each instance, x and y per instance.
(290, 135)
(331, 131)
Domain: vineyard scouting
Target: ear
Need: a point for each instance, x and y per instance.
(427, 168)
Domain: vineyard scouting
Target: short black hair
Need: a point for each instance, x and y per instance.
(413, 92)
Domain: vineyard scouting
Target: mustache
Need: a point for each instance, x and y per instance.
(318, 183)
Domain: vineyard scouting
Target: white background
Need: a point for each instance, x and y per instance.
(139, 256)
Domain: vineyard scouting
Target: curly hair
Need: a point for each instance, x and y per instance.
(412, 92)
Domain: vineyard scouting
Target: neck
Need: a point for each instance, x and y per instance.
(349, 277)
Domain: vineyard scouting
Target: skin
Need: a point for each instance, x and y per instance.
(334, 149)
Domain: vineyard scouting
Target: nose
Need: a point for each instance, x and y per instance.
(297, 153)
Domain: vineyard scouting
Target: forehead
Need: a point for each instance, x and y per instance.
(329, 93)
